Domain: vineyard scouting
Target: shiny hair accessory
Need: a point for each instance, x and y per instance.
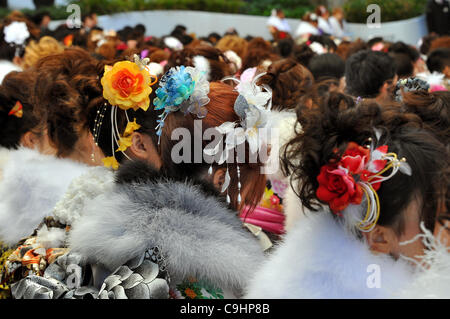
(358, 174)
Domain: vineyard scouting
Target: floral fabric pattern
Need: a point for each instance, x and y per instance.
(194, 289)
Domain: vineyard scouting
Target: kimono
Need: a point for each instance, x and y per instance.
(320, 259)
(150, 237)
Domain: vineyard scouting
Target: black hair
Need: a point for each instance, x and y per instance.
(327, 65)
(38, 17)
(325, 41)
(303, 54)
(401, 47)
(373, 41)
(124, 33)
(403, 65)
(141, 29)
(215, 35)
(367, 71)
(285, 47)
(438, 60)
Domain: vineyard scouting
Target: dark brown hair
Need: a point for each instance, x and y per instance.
(338, 121)
(17, 87)
(433, 109)
(256, 56)
(289, 80)
(67, 87)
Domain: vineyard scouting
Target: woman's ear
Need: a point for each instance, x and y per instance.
(219, 178)
(29, 140)
(382, 240)
(142, 148)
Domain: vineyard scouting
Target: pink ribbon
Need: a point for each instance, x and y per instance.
(268, 219)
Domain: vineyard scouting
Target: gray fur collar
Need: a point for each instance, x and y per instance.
(197, 234)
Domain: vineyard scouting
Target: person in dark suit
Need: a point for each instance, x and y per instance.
(438, 16)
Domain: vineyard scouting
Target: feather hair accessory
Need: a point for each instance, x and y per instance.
(436, 80)
(16, 34)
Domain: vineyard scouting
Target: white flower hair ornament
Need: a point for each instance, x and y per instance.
(16, 34)
(253, 107)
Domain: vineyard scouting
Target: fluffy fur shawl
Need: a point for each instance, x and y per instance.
(196, 233)
(30, 186)
(318, 259)
(285, 123)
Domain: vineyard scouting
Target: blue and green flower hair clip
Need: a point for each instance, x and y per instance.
(181, 89)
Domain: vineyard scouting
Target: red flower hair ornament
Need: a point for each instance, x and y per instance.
(358, 173)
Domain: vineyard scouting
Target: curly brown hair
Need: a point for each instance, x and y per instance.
(233, 43)
(290, 82)
(434, 110)
(326, 132)
(68, 87)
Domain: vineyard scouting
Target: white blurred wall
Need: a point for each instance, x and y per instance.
(28, 4)
(161, 22)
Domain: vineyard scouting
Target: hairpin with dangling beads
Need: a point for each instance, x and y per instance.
(97, 127)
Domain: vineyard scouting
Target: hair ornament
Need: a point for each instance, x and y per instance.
(253, 107)
(17, 110)
(436, 80)
(182, 89)
(351, 183)
(126, 85)
(16, 34)
(413, 84)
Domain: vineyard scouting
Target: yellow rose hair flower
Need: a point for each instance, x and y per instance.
(127, 86)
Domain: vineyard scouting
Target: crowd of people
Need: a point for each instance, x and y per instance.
(133, 166)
